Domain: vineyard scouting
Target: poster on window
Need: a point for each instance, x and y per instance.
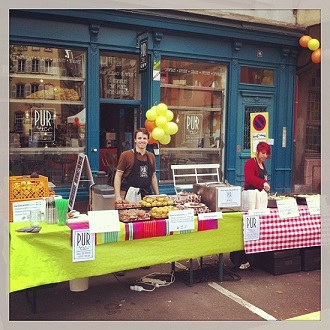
(193, 129)
(43, 124)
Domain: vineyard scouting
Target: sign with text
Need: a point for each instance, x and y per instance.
(43, 124)
(83, 245)
(229, 196)
(258, 130)
(181, 220)
(21, 210)
(210, 216)
(251, 228)
(193, 129)
(103, 221)
(287, 208)
(143, 59)
(313, 203)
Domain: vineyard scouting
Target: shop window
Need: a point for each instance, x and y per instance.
(194, 91)
(256, 76)
(119, 78)
(47, 111)
(313, 127)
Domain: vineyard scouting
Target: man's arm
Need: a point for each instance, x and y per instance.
(117, 184)
(154, 184)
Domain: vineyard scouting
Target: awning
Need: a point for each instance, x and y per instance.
(80, 115)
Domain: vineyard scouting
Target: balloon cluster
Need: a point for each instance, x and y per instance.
(159, 124)
(313, 45)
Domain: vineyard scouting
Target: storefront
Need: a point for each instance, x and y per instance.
(80, 81)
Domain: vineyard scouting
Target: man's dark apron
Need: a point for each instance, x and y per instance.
(140, 176)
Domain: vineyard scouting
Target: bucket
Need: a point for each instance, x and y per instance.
(79, 284)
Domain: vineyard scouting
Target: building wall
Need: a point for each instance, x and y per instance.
(216, 40)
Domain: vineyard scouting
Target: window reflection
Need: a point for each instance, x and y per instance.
(46, 111)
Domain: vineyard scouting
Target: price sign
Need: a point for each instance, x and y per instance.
(287, 208)
(181, 220)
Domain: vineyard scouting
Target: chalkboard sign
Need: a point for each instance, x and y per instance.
(81, 161)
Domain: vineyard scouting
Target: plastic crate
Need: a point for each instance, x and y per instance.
(311, 258)
(24, 188)
(280, 262)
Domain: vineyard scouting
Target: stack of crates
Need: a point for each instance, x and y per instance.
(25, 188)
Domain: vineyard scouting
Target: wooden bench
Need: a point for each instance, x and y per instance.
(184, 176)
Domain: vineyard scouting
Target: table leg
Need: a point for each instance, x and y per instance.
(191, 273)
(221, 267)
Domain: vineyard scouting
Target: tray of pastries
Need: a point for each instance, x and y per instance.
(197, 207)
(273, 198)
(124, 204)
(301, 198)
(150, 201)
(133, 215)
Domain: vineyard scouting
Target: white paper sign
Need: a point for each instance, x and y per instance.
(251, 229)
(287, 208)
(21, 210)
(210, 216)
(259, 212)
(181, 220)
(313, 203)
(83, 245)
(103, 221)
(229, 196)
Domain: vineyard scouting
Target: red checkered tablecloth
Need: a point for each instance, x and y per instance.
(282, 234)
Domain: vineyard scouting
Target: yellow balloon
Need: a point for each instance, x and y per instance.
(161, 121)
(172, 128)
(157, 133)
(151, 114)
(313, 44)
(166, 139)
(169, 115)
(161, 109)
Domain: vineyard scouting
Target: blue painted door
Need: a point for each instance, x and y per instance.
(251, 102)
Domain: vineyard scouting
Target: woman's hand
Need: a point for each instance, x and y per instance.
(266, 187)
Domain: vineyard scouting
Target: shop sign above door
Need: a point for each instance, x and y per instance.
(143, 60)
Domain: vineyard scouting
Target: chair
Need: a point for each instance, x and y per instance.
(184, 176)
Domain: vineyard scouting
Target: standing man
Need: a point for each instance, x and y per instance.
(136, 168)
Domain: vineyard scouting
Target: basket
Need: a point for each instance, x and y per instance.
(23, 188)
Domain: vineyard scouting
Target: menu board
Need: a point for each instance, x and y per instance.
(81, 161)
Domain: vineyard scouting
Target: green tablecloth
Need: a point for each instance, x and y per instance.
(46, 257)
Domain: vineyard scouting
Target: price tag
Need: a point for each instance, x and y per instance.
(181, 220)
(259, 212)
(287, 208)
(210, 216)
(313, 204)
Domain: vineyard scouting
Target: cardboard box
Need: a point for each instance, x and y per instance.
(219, 197)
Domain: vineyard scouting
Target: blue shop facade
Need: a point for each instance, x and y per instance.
(81, 81)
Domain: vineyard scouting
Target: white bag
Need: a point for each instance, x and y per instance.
(133, 195)
(249, 198)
